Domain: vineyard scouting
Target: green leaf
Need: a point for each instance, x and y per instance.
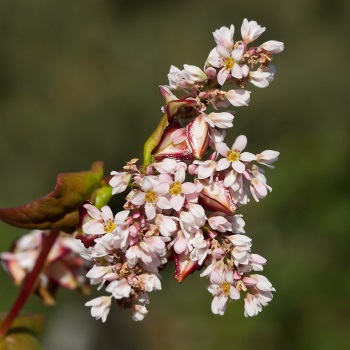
(21, 335)
(32, 322)
(58, 209)
(20, 341)
(153, 141)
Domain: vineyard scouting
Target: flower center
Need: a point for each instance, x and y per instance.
(109, 226)
(225, 287)
(233, 155)
(151, 197)
(175, 189)
(228, 63)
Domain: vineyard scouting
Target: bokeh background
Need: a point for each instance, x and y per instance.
(79, 82)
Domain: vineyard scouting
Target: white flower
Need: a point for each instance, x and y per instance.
(152, 197)
(224, 37)
(103, 221)
(100, 307)
(119, 182)
(250, 31)
(119, 289)
(227, 61)
(238, 97)
(262, 77)
(222, 120)
(267, 158)
(222, 288)
(272, 46)
(233, 156)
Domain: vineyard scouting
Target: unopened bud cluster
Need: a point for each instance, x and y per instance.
(181, 206)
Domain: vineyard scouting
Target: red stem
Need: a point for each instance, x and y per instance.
(30, 282)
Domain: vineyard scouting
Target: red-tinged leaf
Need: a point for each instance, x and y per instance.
(58, 209)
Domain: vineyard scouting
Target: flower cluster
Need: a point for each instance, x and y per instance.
(64, 265)
(180, 205)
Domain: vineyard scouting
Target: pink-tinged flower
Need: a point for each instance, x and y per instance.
(103, 221)
(180, 190)
(223, 289)
(237, 223)
(250, 31)
(100, 307)
(219, 223)
(267, 158)
(224, 37)
(167, 225)
(200, 248)
(205, 169)
(168, 166)
(271, 46)
(234, 157)
(119, 289)
(152, 197)
(227, 61)
(262, 77)
(180, 244)
(258, 186)
(64, 266)
(222, 120)
(197, 136)
(215, 196)
(240, 252)
(261, 295)
(119, 182)
(185, 79)
(149, 282)
(166, 148)
(139, 310)
(97, 274)
(238, 97)
(257, 262)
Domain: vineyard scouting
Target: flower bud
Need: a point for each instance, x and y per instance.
(216, 197)
(167, 149)
(184, 266)
(198, 132)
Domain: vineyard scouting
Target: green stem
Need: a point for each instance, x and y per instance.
(153, 141)
(30, 283)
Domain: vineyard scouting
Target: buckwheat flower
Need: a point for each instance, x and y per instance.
(180, 244)
(234, 157)
(223, 289)
(219, 223)
(167, 225)
(272, 46)
(97, 274)
(222, 120)
(224, 37)
(262, 77)
(237, 223)
(267, 158)
(205, 169)
(119, 289)
(200, 248)
(152, 197)
(100, 307)
(103, 221)
(227, 62)
(250, 31)
(180, 190)
(119, 182)
(139, 310)
(238, 97)
(194, 74)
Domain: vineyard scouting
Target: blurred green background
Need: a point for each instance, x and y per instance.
(79, 82)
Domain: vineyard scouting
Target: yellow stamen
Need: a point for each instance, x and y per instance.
(151, 197)
(225, 287)
(109, 226)
(175, 189)
(233, 155)
(228, 63)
